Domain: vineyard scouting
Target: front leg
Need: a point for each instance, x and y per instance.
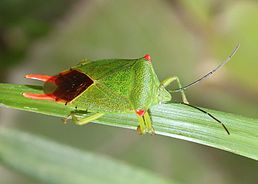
(169, 80)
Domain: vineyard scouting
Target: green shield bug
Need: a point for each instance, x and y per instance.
(113, 86)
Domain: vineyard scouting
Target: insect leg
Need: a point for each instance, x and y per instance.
(148, 123)
(169, 80)
(86, 120)
(145, 124)
(141, 129)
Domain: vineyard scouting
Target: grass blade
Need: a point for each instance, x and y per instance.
(173, 120)
(53, 163)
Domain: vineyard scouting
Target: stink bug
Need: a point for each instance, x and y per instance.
(112, 86)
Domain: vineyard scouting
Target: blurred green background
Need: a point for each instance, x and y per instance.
(185, 38)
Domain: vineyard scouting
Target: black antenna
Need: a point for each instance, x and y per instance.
(213, 117)
(208, 74)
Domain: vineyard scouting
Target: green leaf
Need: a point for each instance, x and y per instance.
(173, 120)
(54, 163)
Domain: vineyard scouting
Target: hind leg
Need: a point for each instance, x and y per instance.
(83, 121)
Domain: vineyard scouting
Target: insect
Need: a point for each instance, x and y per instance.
(113, 86)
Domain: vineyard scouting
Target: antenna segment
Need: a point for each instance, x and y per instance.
(210, 73)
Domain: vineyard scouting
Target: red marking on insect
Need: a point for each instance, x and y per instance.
(43, 78)
(63, 87)
(39, 96)
(140, 112)
(147, 57)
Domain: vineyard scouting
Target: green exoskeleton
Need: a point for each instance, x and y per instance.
(111, 86)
